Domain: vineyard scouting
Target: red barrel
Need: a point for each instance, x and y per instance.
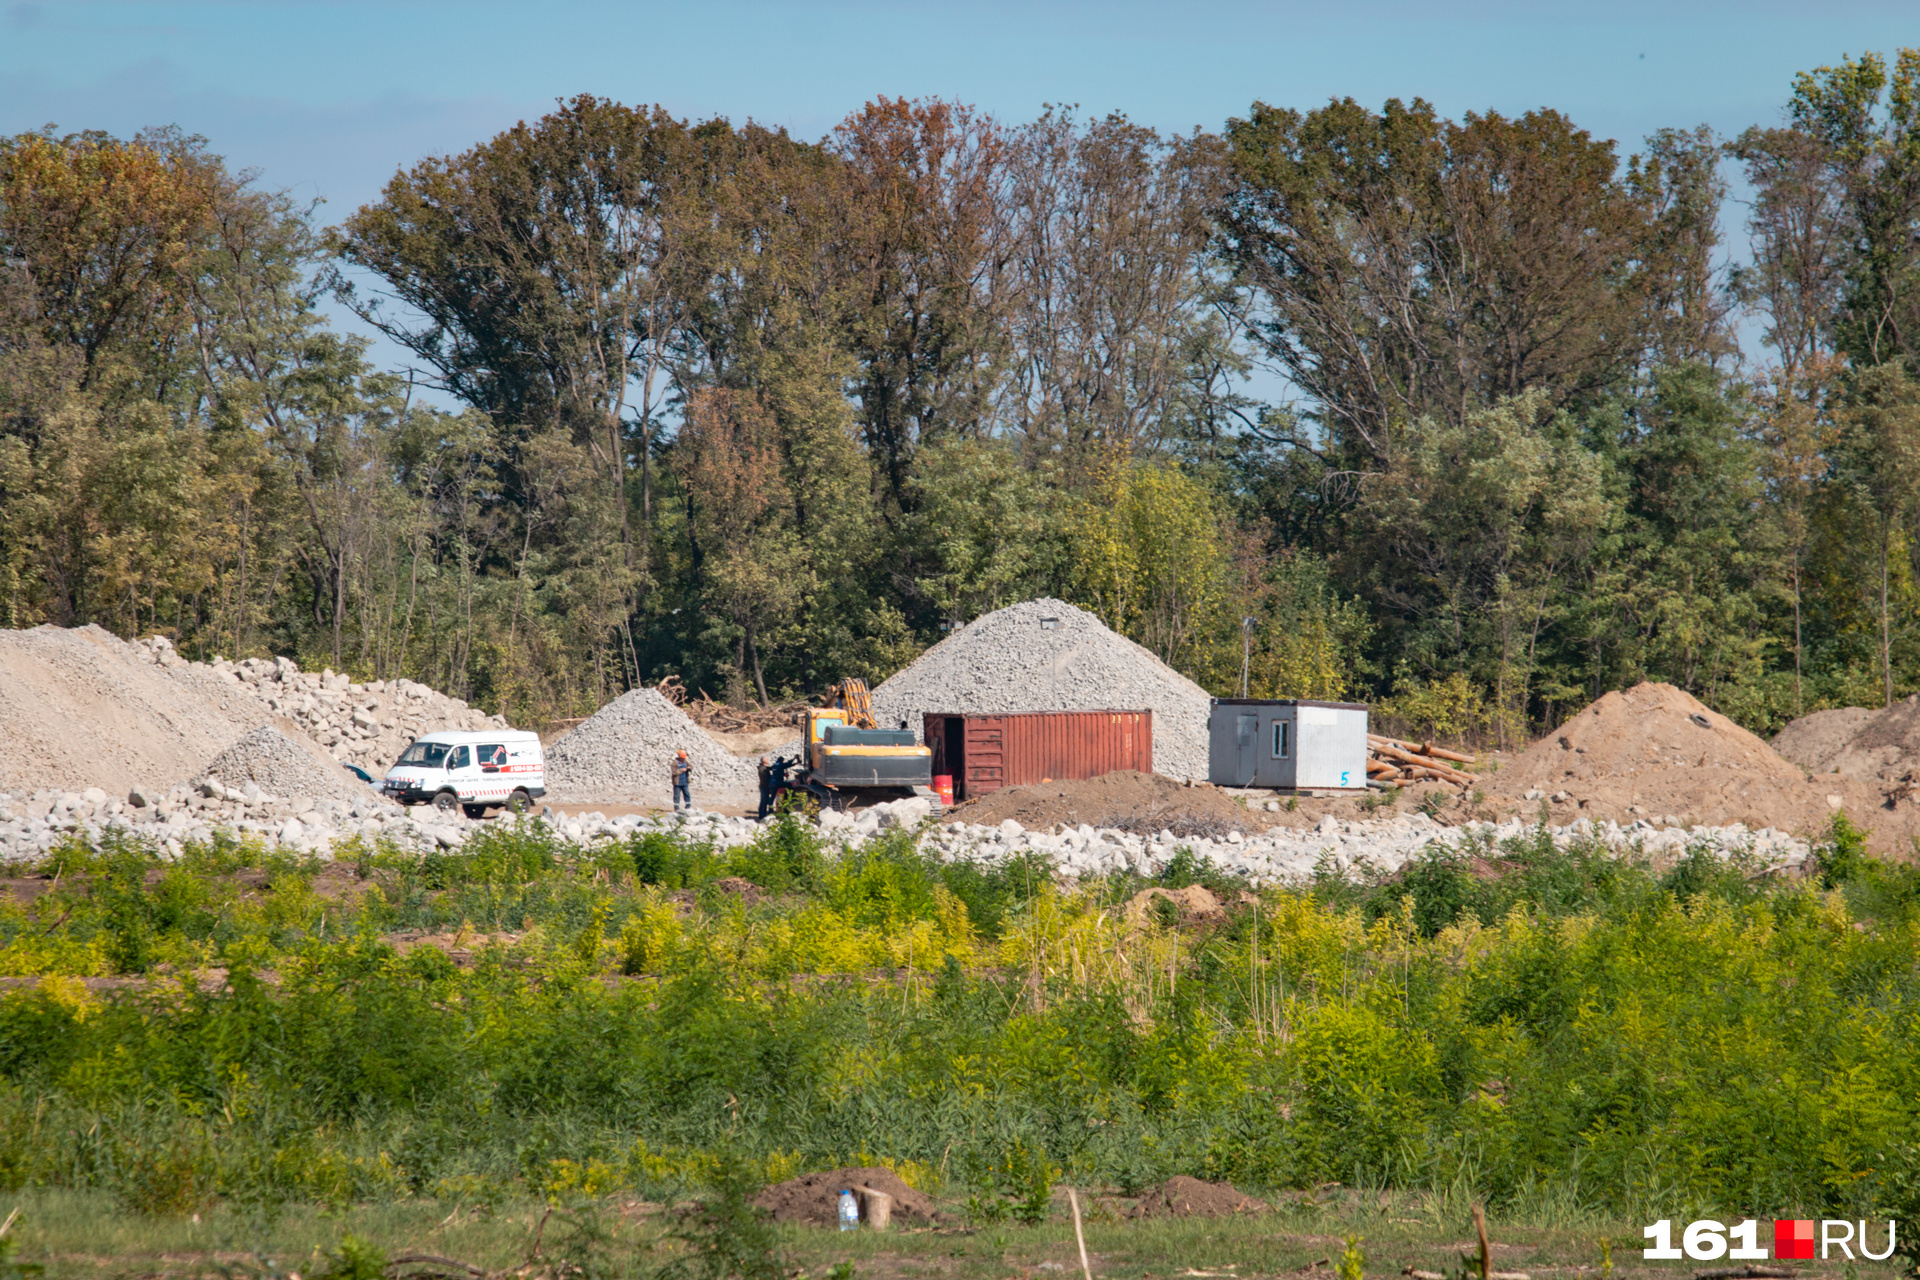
(943, 787)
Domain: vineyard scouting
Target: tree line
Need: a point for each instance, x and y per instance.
(762, 412)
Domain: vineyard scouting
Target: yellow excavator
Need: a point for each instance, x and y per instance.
(847, 758)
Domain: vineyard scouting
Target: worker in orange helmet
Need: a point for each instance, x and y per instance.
(682, 773)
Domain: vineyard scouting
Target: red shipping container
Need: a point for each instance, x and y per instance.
(987, 751)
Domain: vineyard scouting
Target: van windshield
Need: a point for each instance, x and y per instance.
(431, 754)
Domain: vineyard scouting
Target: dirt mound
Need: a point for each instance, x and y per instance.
(815, 1197)
(82, 708)
(1866, 743)
(1656, 752)
(1046, 655)
(1815, 742)
(1195, 903)
(1184, 1197)
(1128, 800)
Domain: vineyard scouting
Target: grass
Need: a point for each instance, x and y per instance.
(1580, 1040)
(82, 1236)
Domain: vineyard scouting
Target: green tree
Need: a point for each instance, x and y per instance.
(1472, 539)
(1879, 453)
(1400, 267)
(1150, 559)
(985, 527)
(1870, 144)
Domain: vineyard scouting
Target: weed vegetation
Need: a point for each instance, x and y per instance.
(1560, 1032)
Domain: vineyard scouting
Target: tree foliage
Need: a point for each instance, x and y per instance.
(761, 411)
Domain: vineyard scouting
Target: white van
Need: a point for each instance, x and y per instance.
(478, 771)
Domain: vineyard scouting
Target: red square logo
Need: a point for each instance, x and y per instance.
(1793, 1238)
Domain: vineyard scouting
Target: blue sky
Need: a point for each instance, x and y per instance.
(328, 97)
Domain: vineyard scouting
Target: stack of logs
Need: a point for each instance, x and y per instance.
(1389, 760)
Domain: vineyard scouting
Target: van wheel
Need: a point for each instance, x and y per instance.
(475, 811)
(446, 802)
(519, 802)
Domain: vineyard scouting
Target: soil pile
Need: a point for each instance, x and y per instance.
(82, 708)
(281, 766)
(815, 1197)
(1195, 903)
(623, 750)
(1816, 742)
(1046, 655)
(1184, 1197)
(1658, 753)
(1126, 800)
(1866, 743)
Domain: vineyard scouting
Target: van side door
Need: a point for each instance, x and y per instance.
(462, 776)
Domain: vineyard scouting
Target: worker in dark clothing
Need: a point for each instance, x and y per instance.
(682, 782)
(773, 776)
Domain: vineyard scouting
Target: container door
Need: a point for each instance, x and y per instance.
(1247, 748)
(953, 732)
(985, 756)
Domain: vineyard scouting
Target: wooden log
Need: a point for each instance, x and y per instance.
(1424, 748)
(1444, 754)
(1407, 757)
(1423, 762)
(1436, 773)
(877, 1208)
(1392, 752)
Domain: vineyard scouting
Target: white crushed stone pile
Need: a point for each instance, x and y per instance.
(31, 825)
(280, 766)
(1009, 660)
(366, 724)
(1283, 855)
(623, 751)
(82, 708)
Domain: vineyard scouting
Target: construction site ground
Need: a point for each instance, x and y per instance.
(85, 1236)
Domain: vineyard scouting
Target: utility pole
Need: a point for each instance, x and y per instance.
(1246, 652)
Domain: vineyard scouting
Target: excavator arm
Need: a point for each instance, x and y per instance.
(852, 697)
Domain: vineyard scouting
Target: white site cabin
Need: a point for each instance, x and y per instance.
(491, 769)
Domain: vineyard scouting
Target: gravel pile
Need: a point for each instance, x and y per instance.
(365, 724)
(1011, 660)
(279, 766)
(622, 752)
(82, 708)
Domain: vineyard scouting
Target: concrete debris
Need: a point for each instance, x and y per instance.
(368, 725)
(1046, 655)
(622, 751)
(31, 824)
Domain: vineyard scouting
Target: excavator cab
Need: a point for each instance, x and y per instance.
(847, 758)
